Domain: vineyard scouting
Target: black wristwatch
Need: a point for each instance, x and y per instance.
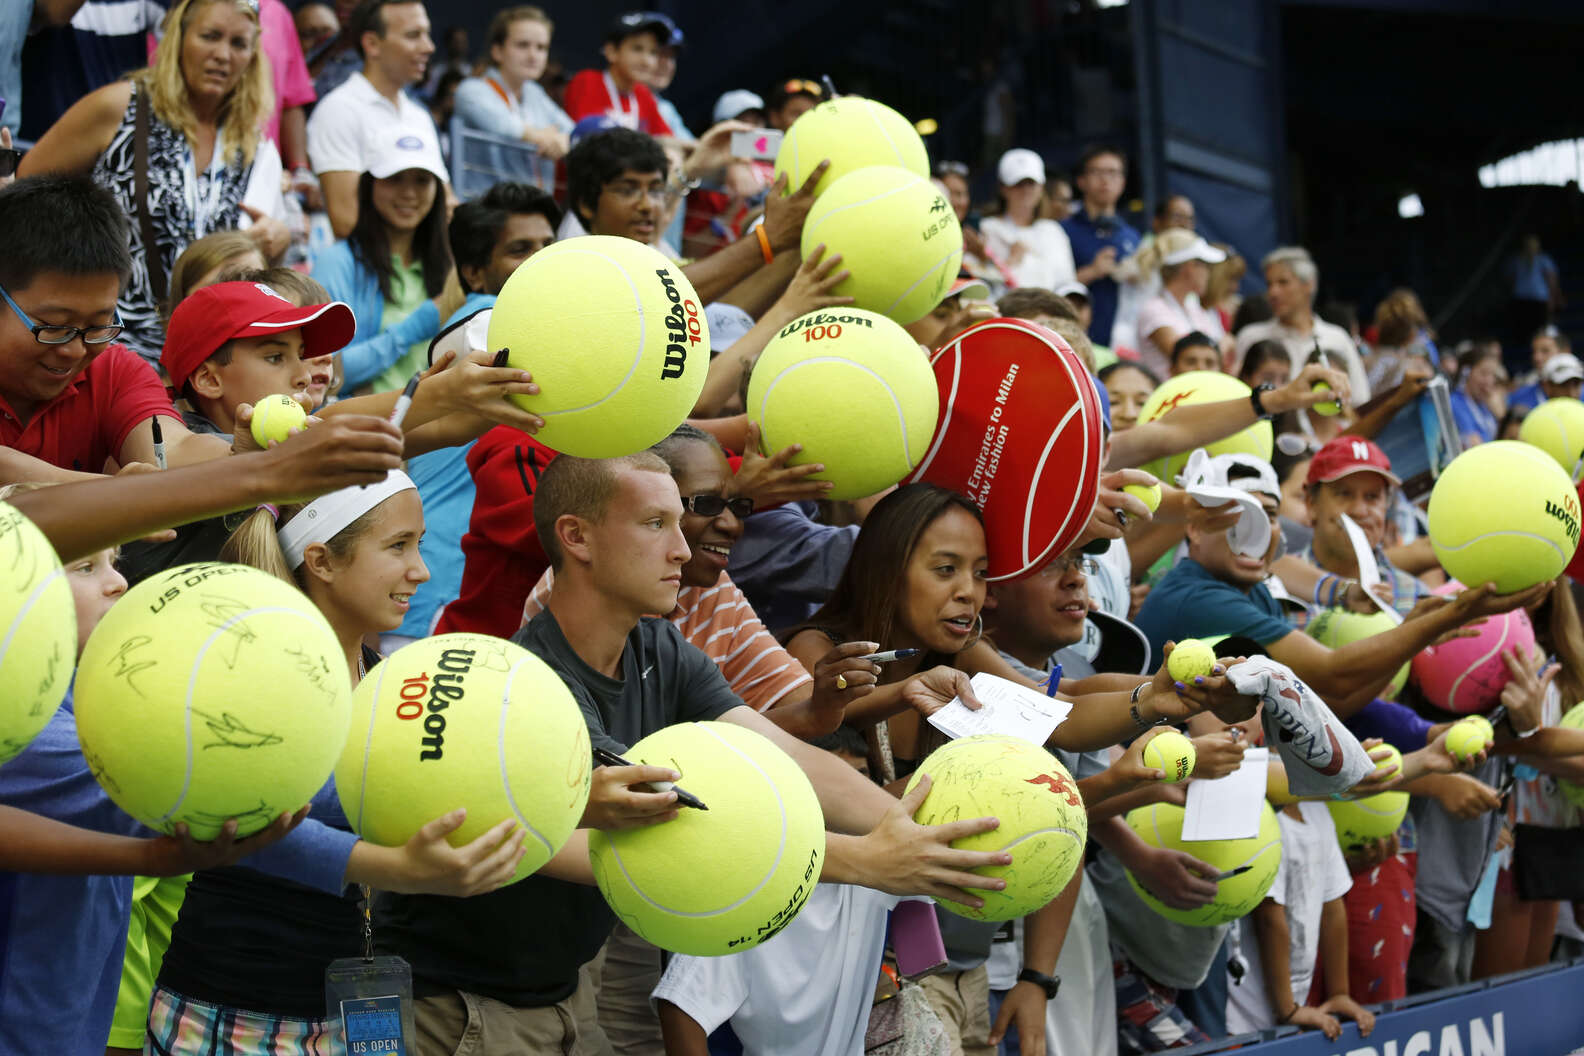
(1257, 398)
(1048, 983)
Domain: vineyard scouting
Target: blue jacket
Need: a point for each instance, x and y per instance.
(62, 938)
(371, 352)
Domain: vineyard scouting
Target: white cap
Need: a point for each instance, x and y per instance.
(389, 151)
(1019, 164)
(1196, 249)
(1208, 481)
(1562, 367)
(735, 102)
(727, 323)
(1072, 288)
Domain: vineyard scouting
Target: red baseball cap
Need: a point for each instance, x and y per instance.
(210, 317)
(1345, 455)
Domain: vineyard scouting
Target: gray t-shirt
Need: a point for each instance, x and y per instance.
(1453, 853)
(523, 944)
(1173, 954)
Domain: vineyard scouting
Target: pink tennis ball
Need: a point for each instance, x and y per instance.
(1467, 674)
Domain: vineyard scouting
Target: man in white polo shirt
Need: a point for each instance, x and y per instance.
(393, 37)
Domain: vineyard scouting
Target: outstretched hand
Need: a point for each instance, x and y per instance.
(770, 481)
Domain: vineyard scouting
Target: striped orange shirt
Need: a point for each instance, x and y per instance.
(720, 621)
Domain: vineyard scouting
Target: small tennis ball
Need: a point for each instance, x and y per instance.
(1148, 494)
(38, 632)
(895, 232)
(852, 388)
(1160, 825)
(209, 692)
(1504, 512)
(1335, 628)
(851, 133)
(1043, 823)
(725, 879)
(615, 338)
(1325, 407)
(1190, 659)
(1467, 737)
(1573, 720)
(1360, 820)
(274, 417)
(1173, 755)
(1204, 386)
(1557, 428)
(465, 720)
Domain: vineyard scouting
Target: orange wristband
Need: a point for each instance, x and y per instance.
(764, 244)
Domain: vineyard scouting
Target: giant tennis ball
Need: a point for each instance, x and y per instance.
(725, 879)
(465, 720)
(1204, 386)
(1172, 754)
(38, 632)
(852, 387)
(1334, 628)
(1160, 825)
(1360, 820)
(1504, 512)
(896, 233)
(615, 339)
(274, 417)
(1468, 674)
(1573, 720)
(1557, 428)
(852, 133)
(1043, 823)
(212, 691)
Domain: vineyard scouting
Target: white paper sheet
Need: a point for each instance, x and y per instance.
(1228, 808)
(1008, 708)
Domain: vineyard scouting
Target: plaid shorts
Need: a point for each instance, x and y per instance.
(180, 1026)
(1148, 1019)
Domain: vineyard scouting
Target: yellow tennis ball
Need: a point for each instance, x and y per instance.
(1043, 822)
(1204, 386)
(1467, 737)
(1190, 659)
(209, 692)
(274, 417)
(1325, 407)
(38, 632)
(1173, 755)
(896, 233)
(1337, 627)
(851, 133)
(852, 387)
(1557, 428)
(1504, 512)
(465, 720)
(1360, 820)
(614, 337)
(1573, 720)
(1148, 494)
(1160, 825)
(725, 879)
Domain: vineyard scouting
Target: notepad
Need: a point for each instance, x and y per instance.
(1009, 708)
(1228, 808)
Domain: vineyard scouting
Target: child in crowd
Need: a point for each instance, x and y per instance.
(621, 91)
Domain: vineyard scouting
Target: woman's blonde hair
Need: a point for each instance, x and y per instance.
(200, 258)
(1224, 277)
(243, 112)
(1398, 318)
(255, 543)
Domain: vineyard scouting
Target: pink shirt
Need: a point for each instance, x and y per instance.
(288, 69)
(1181, 318)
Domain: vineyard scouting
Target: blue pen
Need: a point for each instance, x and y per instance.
(1053, 681)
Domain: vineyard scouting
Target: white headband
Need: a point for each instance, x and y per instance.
(328, 515)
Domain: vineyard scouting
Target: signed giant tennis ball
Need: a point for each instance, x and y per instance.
(38, 632)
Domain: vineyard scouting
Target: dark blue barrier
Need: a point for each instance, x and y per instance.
(1536, 1013)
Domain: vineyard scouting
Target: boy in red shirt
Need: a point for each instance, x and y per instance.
(621, 90)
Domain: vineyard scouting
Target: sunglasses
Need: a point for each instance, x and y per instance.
(951, 168)
(802, 87)
(10, 158)
(715, 505)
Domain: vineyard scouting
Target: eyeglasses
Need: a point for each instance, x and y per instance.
(715, 505)
(627, 191)
(62, 335)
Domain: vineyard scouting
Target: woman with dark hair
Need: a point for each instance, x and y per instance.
(394, 267)
(1266, 362)
(1478, 403)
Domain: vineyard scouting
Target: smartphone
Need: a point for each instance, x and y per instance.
(762, 144)
(916, 939)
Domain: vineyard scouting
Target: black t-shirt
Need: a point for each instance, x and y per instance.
(523, 944)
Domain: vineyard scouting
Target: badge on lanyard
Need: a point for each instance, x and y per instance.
(368, 999)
